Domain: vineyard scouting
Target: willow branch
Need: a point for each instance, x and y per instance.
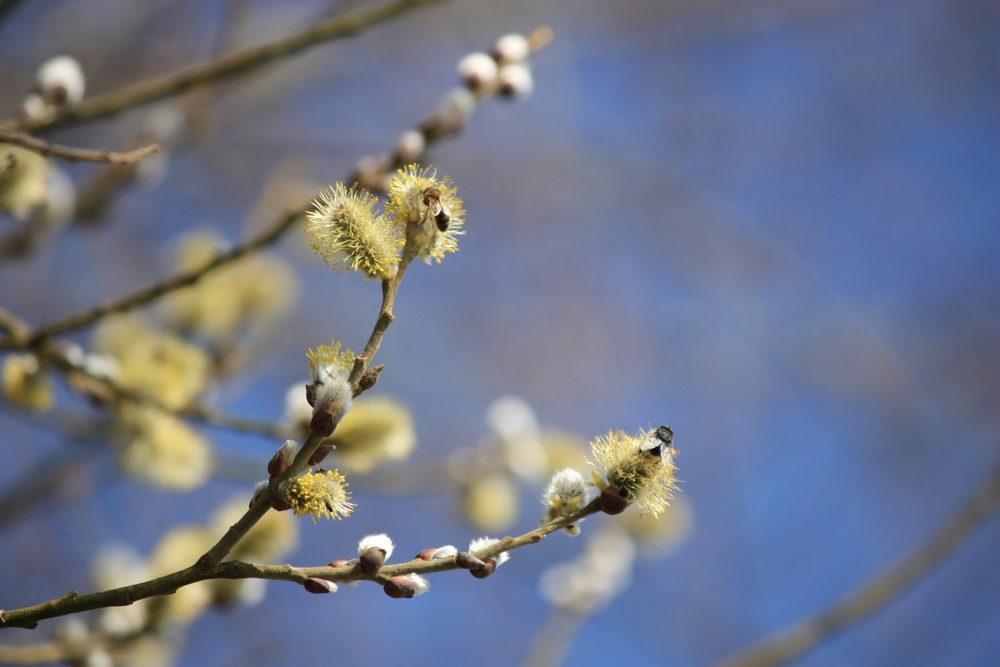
(443, 124)
(74, 154)
(153, 292)
(385, 316)
(210, 566)
(878, 591)
(237, 62)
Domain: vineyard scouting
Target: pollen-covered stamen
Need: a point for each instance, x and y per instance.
(428, 208)
(319, 494)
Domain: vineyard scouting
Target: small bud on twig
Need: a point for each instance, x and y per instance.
(612, 501)
(258, 491)
(399, 587)
(322, 423)
(371, 560)
(486, 570)
(282, 458)
(426, 554)
(370, 377)
(321, 453)
(317, 585)
(279, 502)
(466, 560)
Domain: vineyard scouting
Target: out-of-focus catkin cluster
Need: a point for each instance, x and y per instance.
(516, 450)
(151, 444)
(376, 430)
(503, 71)
(237, 301)
(422, 211)
(26, 383)
(37, 193)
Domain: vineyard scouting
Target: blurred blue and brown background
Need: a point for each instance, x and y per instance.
(772, 225)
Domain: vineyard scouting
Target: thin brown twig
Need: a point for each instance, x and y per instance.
(878, 591)
(210, 566)
(74, 154)
(231, 64)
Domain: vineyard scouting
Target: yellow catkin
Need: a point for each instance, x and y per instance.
(642, 478)
(319, 494)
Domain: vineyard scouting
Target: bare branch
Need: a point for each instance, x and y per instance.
(878, 591)
(74, 154)
(237, 62)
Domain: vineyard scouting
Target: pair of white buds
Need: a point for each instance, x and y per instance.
(504, 68)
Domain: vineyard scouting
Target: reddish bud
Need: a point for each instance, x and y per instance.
(371, 560)
(468, 561)
(337, 563)
(276, 465)
(399, 587)
(321, 453)
(426, 554)
(612, 501)
(484, 571)
(322, 423)
(370, 377)
(317, 585)
(278, 501)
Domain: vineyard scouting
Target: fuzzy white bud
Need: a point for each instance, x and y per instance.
(484, 543)
(61, 81)
(512, 48)
(258, 491)
(515, 80)
(32, 106)
(444, 552)
(411, 146)
(420, 584)
(380, 541)
(565, 493)
(477, 70)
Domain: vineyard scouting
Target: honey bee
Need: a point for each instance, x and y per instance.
(658, 441)
(437, 207)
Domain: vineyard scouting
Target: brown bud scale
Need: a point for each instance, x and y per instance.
(468, 561)
(612, 501)
(321, 453)
(371, 560)
(317, 585)
(399, 587)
